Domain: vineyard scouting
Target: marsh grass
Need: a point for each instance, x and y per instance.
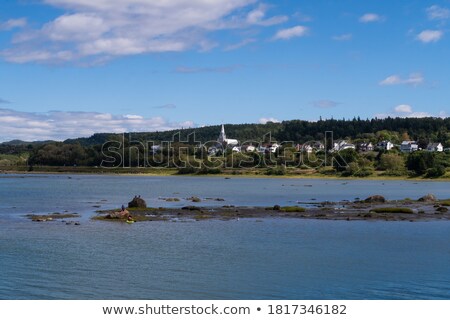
(292, 209)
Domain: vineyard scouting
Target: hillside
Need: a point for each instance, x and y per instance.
(300, 131)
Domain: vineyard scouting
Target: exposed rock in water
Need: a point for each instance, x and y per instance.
(172, 199)
(51, 216)
(375, 199)
(428, 198)
(137, 202)
(195, 199)
(191, 208)
(118, 215)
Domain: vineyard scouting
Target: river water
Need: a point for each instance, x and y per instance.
(268, 258)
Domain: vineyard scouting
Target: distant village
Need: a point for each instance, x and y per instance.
(234, 145)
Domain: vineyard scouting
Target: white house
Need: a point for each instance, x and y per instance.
(342, 145)
(409, 146)
(212, 151)
(364, 146)
(311, 146)
(318, 145)
(250, 148)
(307, 148)
(155, 149)
(385, 145)
(435, 147)
(236, 149)
(274, 147)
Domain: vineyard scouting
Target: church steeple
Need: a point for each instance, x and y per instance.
(222, 136)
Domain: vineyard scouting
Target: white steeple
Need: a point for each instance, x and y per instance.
(222, 136)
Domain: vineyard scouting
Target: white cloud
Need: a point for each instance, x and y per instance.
(406, 111)
(343, 37)
(265, 120)
(299, 16)
(13, 23)
(240, 44)
(403, 108)
(428, 36)
(370, 17)
(286, 34)
(436, 12)
(133, 117)
(76, 27)
(257, 16)
(92, 31)
(414, 79)
(60, 125)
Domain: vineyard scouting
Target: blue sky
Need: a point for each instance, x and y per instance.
(70, 68)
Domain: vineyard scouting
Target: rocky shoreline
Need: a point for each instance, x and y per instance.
(374, 208)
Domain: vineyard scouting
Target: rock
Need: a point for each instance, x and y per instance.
(195, 199)
(191, 208)
(428, 198)
(375, 199)
(137, 202)
(276, 207)
(442, 209)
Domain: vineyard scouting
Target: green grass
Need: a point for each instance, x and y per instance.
(10, 165)
(392, 210)
(292, 209)
(13, 160)
(445, 203)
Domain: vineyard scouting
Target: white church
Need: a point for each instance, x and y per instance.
(224, 141)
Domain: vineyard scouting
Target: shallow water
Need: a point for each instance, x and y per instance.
(245, 259)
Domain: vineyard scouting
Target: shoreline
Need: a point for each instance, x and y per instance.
(240, 174)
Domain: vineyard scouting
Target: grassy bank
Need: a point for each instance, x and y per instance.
(290, 173)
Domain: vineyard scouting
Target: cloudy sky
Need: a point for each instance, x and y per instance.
(69, 68)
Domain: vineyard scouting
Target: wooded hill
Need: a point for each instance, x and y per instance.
(300, 131)
(88, 151)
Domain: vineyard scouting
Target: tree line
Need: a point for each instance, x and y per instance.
(184, 143)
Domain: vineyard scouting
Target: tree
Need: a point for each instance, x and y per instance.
(420, 161)
(360, 168)
(393, 164)
(342, 159)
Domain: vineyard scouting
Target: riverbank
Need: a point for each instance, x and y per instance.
(226, 173)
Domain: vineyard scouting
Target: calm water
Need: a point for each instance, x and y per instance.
(245, 259)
